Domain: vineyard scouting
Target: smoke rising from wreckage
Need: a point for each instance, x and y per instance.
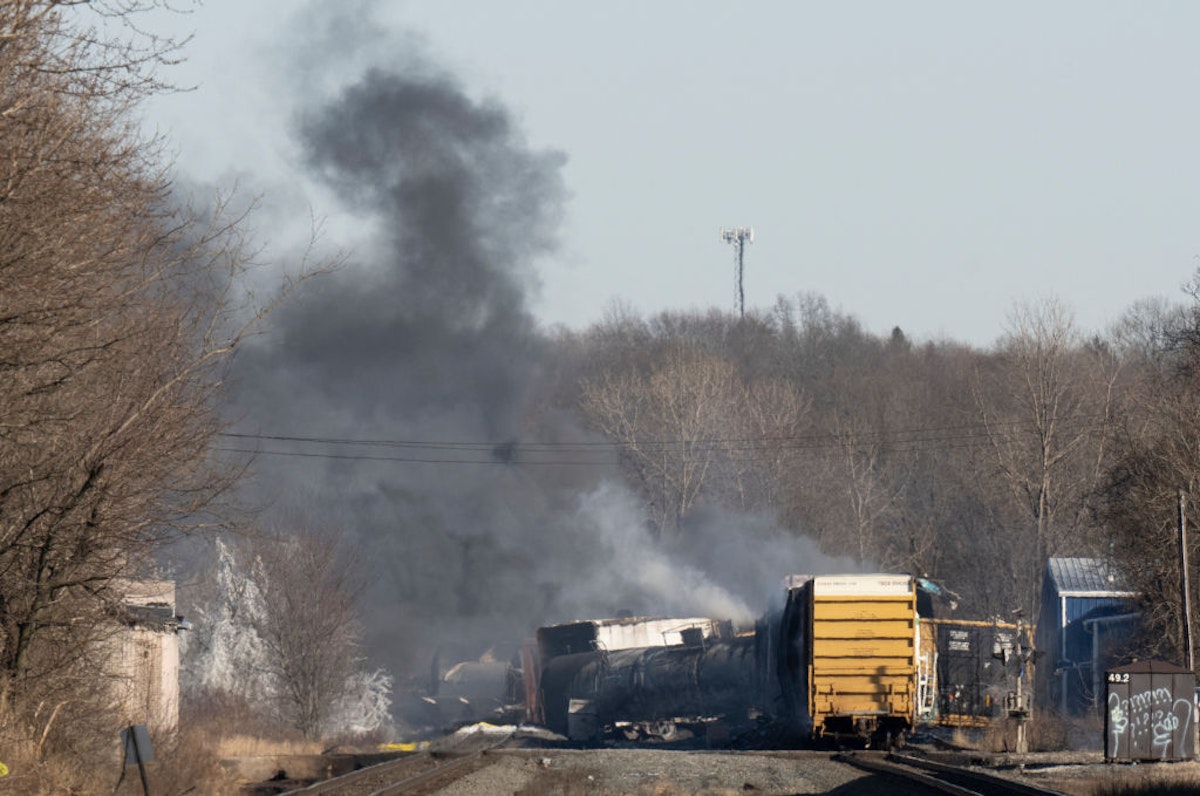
(425, 334)
(842, 658)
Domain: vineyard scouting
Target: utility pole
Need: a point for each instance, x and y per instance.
(1017, 702)
(1184, 585)
(739, 237)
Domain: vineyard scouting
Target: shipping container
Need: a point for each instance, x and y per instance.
(1149, 712)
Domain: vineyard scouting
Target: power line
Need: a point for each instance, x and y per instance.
(825, 438)
(399, 443)
(897, 441)
(408, 459)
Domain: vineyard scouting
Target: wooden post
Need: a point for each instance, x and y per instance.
(1185, 586)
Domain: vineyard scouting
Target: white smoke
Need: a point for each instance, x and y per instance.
(631, 566)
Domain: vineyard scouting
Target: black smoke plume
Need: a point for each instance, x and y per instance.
(424, 345)
(424, 337)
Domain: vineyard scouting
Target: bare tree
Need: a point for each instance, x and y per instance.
(309, 625)
(870, 494)
(772, 417)
(670, 424)
(1155, 468)
(116, 319)
(276, 638)
(1157, 463)
(1046, 407)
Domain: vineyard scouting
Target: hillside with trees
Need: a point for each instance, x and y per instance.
(754, 443)
(968, 467)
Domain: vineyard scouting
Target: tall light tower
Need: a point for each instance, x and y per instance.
(739, 237)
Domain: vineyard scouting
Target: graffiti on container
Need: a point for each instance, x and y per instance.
(1155, 712)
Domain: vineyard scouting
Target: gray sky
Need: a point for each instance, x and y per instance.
(919, 164)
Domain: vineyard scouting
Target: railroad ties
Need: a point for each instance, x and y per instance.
(418, 773)
(941, 777)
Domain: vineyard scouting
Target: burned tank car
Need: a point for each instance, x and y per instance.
(650, 691)
(629, 632)
(837, 660)
(637, 674)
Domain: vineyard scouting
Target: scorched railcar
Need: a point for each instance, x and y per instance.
(636, 674)
(837, 659)
(967, 670)
(649, 692)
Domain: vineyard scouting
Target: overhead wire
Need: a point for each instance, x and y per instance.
(589, 453)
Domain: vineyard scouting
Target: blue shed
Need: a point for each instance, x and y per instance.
(1086, 606)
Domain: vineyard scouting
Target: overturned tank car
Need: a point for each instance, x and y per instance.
(838, 659)
(649, 692)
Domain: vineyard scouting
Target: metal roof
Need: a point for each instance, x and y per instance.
(1152, 667)
(154, 617)
(1086, 576)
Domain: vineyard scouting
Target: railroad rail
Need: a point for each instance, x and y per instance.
(942, 777)
(418, 773)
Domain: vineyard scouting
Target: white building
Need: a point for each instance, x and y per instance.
(147, 656)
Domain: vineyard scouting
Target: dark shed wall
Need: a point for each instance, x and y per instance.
(1073, 590)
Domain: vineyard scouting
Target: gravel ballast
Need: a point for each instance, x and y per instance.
(663, 773)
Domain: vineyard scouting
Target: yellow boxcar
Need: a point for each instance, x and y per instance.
(862, 639)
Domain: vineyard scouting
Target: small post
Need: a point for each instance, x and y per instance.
(141, 769)
(136, 740)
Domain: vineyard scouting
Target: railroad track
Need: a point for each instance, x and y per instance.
(942, 777)
(420, 773)
(427, 773)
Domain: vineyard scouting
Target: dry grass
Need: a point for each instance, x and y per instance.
(1159, 779)
(181, 765)
(76, 752)
(191, 763)
(1047, 733)
(251, 746)
(94, 764)
(965, 738)
(61, 748)
(1043, 733)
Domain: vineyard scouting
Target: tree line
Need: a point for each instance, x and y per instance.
(119, 313)
(968, 466)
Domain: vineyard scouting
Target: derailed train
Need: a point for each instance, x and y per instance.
(966, 669)
(839, 657)
(863, 656)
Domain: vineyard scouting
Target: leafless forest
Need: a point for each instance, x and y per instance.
(784, 438)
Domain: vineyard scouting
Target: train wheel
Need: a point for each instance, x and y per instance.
(662, 730)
